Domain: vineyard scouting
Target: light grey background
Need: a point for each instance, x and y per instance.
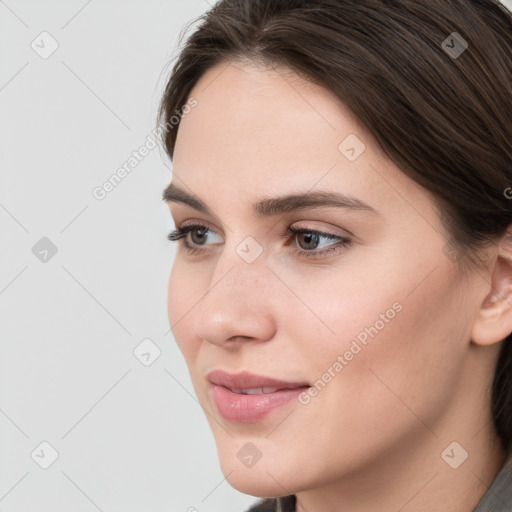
(129, 437)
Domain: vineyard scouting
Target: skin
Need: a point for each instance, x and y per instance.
(372, 439)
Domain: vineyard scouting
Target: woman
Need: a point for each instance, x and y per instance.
(342, 289)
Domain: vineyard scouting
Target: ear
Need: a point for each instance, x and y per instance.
(494, 321)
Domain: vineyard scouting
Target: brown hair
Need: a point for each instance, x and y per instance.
(443, 117)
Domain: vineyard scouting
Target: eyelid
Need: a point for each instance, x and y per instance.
(197, 223)
(304, 226)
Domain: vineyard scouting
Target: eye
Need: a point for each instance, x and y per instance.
(198, 233)
(311, 239)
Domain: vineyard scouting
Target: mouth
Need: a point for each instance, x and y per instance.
(251, 383)
(255, 391)
(248, 398)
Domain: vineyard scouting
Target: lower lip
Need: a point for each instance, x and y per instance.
(243, 408)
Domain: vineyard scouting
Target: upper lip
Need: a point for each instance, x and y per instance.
(247, 380)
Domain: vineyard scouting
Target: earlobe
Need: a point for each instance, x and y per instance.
(494, 321)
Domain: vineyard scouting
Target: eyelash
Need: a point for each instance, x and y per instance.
(291, 232)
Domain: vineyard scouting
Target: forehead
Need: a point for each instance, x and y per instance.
(249, 102)
(258, 131)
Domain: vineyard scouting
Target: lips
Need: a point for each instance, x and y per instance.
(248, 398)
(250, 383)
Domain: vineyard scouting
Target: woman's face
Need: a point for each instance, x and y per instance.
(372, 313)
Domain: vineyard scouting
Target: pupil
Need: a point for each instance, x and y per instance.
(201, 233)
(311, 238)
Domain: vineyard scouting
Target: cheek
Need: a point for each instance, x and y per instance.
(396, 347)
(181, 297)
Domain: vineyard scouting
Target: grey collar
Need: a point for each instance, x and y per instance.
(499, 495)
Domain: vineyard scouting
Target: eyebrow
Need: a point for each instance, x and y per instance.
(276, 205)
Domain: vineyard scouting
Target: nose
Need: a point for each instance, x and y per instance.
(237, 305)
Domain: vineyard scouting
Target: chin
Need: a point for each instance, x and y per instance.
(263, 478)
(258, 484)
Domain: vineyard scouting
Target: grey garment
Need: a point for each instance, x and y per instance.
(498, 497)
(286, 504)
(283, 504)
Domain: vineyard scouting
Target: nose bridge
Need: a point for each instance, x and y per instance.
(241, 269)
(236, 303)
